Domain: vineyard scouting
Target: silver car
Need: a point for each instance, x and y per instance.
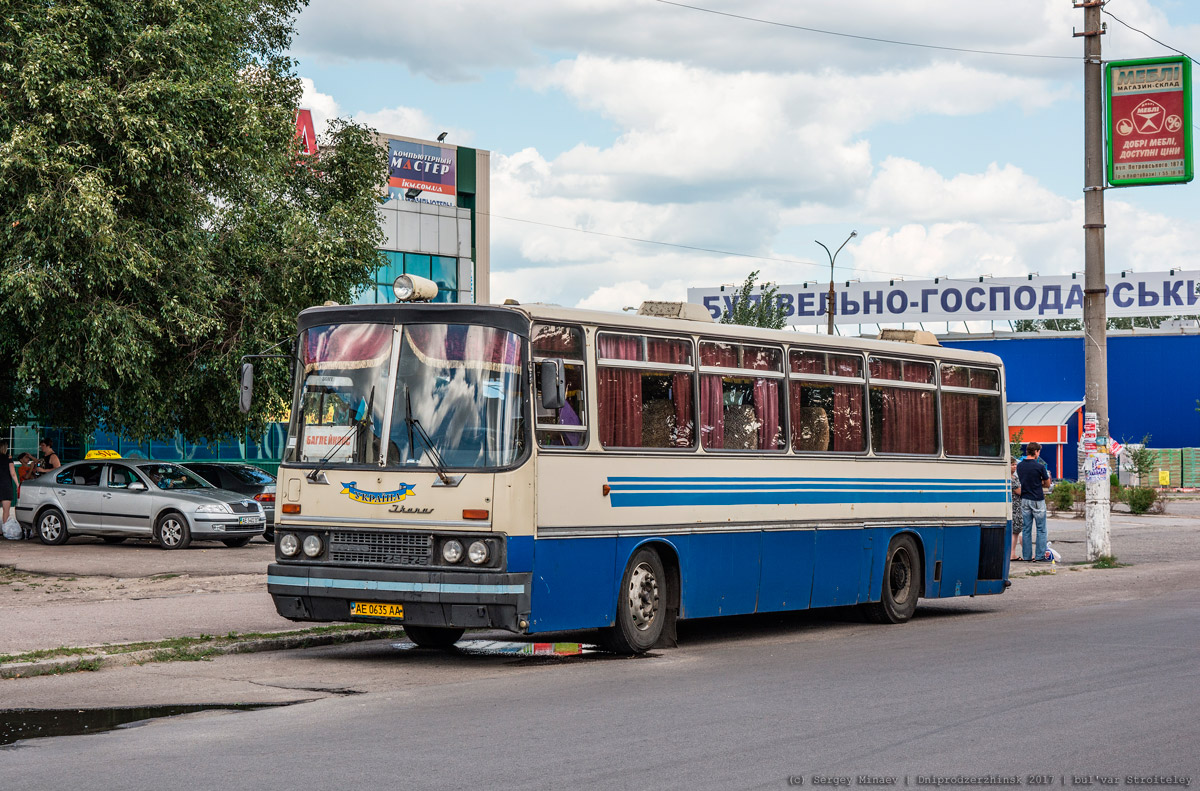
(127, 498)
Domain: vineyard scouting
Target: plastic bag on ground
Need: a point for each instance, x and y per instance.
(12, 529)
(1054, 555)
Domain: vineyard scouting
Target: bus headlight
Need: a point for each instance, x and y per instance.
(289, 545)
(411, 288)
(312, 546)
(452, 551)
(478, 553)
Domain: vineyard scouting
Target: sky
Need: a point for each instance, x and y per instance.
(626, 133)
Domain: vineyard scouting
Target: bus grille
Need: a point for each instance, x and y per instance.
(380, 548)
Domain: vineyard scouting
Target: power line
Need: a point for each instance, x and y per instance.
(865, 38)
(1147, 35)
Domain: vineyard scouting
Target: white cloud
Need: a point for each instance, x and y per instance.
(324, 107)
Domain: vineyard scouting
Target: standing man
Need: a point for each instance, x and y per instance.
(1032, 475)
(50, 460)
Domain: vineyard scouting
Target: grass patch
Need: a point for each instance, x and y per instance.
(187, 649)
(159, 577)
(1107, 562)
(1039, 573)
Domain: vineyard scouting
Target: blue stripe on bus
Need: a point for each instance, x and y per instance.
(383, 585)
(857, 481)
(937, 487)
(668, 498)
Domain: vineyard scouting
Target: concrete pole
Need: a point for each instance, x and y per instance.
(1094, 307)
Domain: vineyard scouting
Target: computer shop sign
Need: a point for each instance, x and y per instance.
(428, 171)
(1149, 121)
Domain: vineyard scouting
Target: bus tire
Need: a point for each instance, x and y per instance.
(641, 606)
(901, 583)
(433, 636)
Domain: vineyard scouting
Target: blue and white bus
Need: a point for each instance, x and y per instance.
(537, 468)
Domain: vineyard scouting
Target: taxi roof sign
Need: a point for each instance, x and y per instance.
(102, 454)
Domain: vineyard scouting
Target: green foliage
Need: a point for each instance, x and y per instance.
(155, 222)
(1140, 499)
(1064, 494)
(1107, 562)
(1142, 461)
(1014, 446)
(765, 311)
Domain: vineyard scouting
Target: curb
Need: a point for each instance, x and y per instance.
(101, 659)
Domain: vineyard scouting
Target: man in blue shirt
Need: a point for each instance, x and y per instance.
(1032, 474)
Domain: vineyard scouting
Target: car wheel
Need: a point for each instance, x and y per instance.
(433, 636)
(901, 583)
(269, 536)
(236, 542)
(52, 527)
(173, 532)
(641, 606)
(113, 539)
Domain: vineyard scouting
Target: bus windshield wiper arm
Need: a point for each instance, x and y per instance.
(434, 456)
(312, 475)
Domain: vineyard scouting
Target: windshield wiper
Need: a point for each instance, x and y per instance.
(315, 473)
(434, 456)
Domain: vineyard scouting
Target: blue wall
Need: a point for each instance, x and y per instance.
(1153, 383)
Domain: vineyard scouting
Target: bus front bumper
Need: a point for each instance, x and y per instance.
(430, 598)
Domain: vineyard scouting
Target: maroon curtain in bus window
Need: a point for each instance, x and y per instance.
(807, 362)
(960, 424)
(464, 343)
(347, 345)
(712, 393)
(553, 339)
(620, 400)
(678, 353)
(712, 411)
(766, 409)
(848, 415)
(907, 418)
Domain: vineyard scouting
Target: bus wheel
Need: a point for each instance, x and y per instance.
(433, 636)
(641, 606)
(901, 583)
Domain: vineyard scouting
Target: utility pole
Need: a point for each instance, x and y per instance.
(1095, 324)
(831, 307)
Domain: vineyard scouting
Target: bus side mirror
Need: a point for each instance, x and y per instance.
(247, 391)
(553, 384)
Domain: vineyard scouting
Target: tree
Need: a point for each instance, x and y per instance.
(156, 221)
(756, 310)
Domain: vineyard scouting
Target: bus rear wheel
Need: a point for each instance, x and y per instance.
(641, 606)
(433, 636)
(901, 583)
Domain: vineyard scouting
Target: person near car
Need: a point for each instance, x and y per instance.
(1033, 475)
(1015, 554)
(50, 460)
(8, 481)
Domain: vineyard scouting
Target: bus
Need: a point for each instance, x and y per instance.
(537, 469)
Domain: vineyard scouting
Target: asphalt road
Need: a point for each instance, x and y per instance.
(1082, 673)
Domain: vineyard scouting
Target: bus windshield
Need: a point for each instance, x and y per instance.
(343, 393)
(458, 385)
(462, 384)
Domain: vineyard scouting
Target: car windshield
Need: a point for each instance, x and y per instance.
(252, 475)
(343, 394)
(462, 385)
(172, 476)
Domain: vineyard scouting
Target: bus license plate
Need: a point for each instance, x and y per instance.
(371, 609)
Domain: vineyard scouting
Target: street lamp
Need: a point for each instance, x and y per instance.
(831, 308)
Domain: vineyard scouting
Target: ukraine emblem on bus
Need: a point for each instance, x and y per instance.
(376, 498)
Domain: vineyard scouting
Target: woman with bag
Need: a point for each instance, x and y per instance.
(8, 487)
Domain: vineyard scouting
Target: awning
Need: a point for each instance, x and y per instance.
(1041, 421)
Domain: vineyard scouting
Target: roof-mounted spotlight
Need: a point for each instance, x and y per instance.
(412, 192)
(442, 136)
(411, 288)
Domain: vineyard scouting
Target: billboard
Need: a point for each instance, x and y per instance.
(1149, 121)
(431, 169)
(1171, 293)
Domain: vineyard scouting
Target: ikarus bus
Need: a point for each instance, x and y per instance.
(536, 468)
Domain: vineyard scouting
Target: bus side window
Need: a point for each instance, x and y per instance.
(741, 397)
(645, 398)
(565, 427)
(827, 402)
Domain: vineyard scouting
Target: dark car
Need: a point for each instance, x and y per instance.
(244, 479)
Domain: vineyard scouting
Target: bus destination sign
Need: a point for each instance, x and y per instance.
(1149, 121)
